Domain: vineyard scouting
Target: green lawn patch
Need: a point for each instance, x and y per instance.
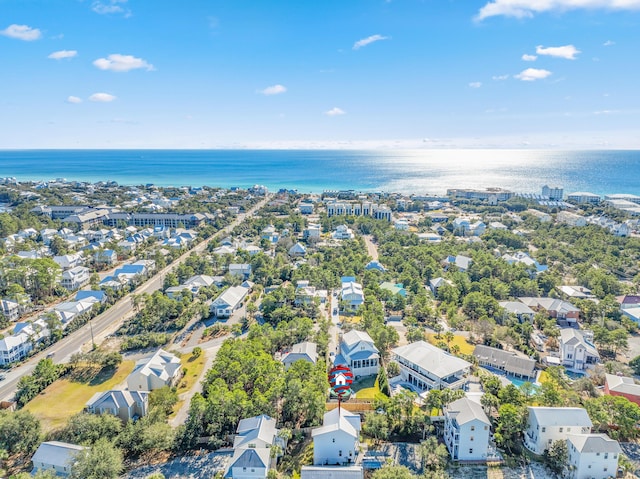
(68, 396)
(367, 388)
(193, 369)
(460, 341)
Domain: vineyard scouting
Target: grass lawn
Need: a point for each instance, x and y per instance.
(543, 377)
(68, 396)
(461, 341)
(193, 367)
(366, 388)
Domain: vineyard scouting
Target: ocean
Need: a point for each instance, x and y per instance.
(313, 171)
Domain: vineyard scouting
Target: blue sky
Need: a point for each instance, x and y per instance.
(333, 73)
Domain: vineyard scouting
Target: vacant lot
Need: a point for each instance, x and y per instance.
(68, 396)
(460, 341)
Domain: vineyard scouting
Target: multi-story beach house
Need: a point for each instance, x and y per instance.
(545, 425)
(358, 351)
(466, 430)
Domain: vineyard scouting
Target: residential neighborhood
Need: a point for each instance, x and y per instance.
(485, 350)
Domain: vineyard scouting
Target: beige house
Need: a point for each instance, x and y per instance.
(160, 370)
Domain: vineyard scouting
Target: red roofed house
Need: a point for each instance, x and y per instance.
(622, 386)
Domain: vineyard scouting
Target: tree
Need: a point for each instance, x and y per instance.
(163, 399)
(196, 352)
(635, 364)
(86, 429)
(102, 461)
(434, 456)
(376, 426)
(19, 432)
(393, 472)
(510, 424)
(556, 456)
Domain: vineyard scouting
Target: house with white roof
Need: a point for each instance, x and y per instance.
(127, 405)
(435, 283)
(571, 219)
(193, 284)
(462, 263)
(576, 349)
(229, 301)
(106, 257)
(69, 261)
(592, 456)
(10, 309)
(584, 197)
(342, 232)
(312, 231)
(336, 442)
(615, 385)
(305, 351)
(252, 448)
(160, 370)
(545, 425)
(524, 258)
(351, 293)
(425, 367)
(466, 430)
(241, 270)
(556, 308)
(358, 351)
(14, 348)
(520, 310)
(75, 278)
(55, 456)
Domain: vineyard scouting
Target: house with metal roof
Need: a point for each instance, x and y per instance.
(425, 367)
(576, 349)
(545, 425)
(55, 456)
(336, 441)
(615, 385)
(127, 405)
(508, 361)
(592, 456)
(519, 310)
(466, 430)
(305, 351)
(252, 448)
(358, 351)
(230, 300)
(160, 370)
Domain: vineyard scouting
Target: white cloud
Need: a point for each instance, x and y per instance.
(102, 97)
(568, 52)
(532, 74)
(500, 77)
(59, 55)
(529, 58)
(122, 63)
(366, 41)
(22, 32)
(528, 8)
(608, 43)
(109, 7)
(273, 90)
(74, 99)
(335, 111)
(475, 84)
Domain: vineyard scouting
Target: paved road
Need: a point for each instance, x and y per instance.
(107, 322)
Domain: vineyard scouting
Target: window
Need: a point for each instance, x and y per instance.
(544, 429)
(606, 456)
(340, 453)
(569, 356)
(470, 451)
(333, 440)
(473, 428)
(605, 469)
(471, 438)
(568, 429)
(560, 430)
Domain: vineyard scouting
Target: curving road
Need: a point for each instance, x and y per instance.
(109, 321)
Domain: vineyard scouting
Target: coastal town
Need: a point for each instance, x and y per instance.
(152, 332)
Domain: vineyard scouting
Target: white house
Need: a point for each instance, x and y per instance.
(10, 309)
(306, 208)
(343, 232)
(55, 456)
(252, 448)
(69, 261)
(576, 351)
(230, 300)
(466, 430)
(242, 270)
(305, 294)
(571, 219)
(592, 456)
(461, 262)
(305, 351)
(352, 294)
(524, 258)
(160, 370)
(75, 278)
(427, 367)
(358, 351)
(127, 405)
(14, 348)
(545, 425)
(336, 441)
